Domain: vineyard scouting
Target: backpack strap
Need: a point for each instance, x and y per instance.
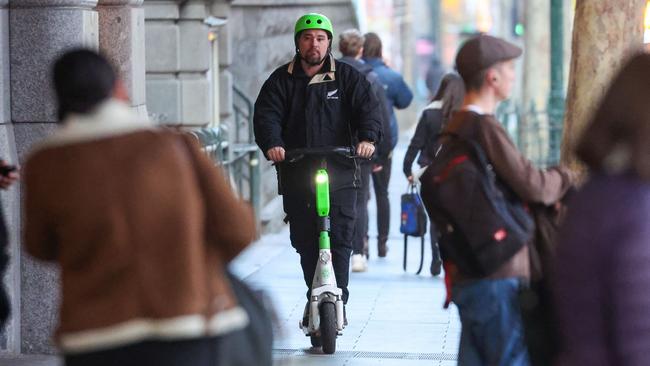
(475, 147)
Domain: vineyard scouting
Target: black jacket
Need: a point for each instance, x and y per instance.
(384, 148)
(424, 139)
(336, 107)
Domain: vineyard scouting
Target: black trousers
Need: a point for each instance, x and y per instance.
(361, 223)
(380, 182)
(303, 226)
(435, 250)
(195, 352)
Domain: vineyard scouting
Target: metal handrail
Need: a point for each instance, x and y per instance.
(237, 155)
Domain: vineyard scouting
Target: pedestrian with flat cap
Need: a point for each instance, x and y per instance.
(492, 331)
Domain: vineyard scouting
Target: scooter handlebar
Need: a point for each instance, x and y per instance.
(297, 154)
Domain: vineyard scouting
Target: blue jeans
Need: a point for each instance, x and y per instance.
(492, 330)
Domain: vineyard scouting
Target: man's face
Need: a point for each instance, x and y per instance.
(313, 45)
(504, 73)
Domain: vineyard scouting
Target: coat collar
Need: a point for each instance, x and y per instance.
(436, 104)
(109, 119)
(374, 61)
(321, 77)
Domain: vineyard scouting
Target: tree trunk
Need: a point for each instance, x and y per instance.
(604, 35)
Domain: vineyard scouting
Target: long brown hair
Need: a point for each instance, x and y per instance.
(372, 46)
(451, 93)
(618, 137)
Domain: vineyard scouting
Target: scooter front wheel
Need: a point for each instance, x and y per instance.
(315, 341)
(328, 330)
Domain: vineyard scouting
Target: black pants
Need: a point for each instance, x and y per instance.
(303, 225)
(435, 250)
(195, 352)
(380, 182)
(361, 223)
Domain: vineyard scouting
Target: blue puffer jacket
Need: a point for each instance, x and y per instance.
(398, 93)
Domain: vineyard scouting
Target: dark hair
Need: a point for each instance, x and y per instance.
(372, 46)
(476, 80)
(616, 139)
(82, 80)
(451, 93)
(297, 37)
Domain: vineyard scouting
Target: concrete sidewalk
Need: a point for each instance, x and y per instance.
(396, 318)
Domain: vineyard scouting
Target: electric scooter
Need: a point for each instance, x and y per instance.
(326, 318)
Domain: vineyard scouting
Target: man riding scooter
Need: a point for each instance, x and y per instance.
(316, 101)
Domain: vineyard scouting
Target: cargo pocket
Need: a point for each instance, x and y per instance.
(342, 225)
(302, 222)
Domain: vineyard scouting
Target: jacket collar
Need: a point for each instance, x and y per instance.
(350, 60)
(321, 77)
(474, 108)
(374, 61)
(109, 119)
(436, 104)
(359, 64)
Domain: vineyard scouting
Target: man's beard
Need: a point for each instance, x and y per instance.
(314, 60)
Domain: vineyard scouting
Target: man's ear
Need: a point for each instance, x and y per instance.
(120, 92)
(491, 76)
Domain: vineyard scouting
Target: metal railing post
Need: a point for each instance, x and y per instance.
(556, 97)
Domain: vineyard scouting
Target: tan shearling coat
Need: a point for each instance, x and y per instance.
(142, 226)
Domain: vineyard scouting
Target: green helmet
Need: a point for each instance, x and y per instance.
(314, 21)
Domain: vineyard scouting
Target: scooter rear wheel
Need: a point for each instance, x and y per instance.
(328, 329)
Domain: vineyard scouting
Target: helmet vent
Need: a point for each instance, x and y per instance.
(308, 21)
(319, 21)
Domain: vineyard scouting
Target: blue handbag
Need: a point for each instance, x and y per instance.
(413, 221)
(413, 218)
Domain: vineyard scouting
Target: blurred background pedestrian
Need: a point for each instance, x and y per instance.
(424, 143)
(602, 272)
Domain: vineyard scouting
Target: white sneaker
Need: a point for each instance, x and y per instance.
(359, 263)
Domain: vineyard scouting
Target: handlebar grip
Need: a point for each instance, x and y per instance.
(297, 154)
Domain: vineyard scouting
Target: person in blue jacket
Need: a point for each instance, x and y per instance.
(398, 95)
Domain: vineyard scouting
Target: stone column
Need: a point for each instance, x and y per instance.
(39, 31)
(221, 9)
(536, 55)
(177, 62)
(9, 199)
(536, 65)
(121, 38)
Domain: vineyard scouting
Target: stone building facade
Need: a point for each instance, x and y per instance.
(179, 59)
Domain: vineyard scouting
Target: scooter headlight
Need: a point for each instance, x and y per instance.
(321, 178)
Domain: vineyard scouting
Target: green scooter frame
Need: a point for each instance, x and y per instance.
(326, 318)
